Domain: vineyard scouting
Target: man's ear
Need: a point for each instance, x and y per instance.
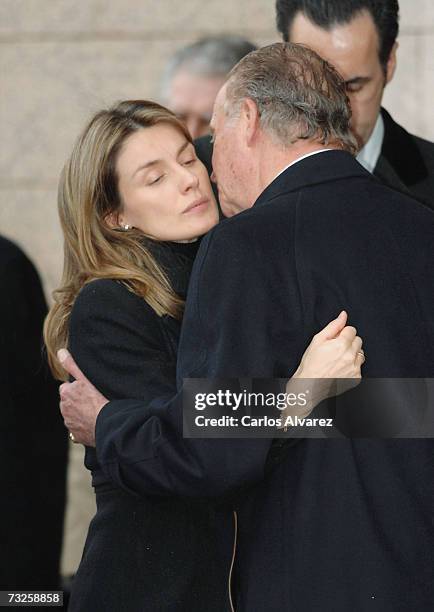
(251, 120)
(391, 63)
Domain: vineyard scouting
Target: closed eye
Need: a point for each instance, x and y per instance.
(357, 84)
(189, 162)
(156, 180)
(352, 88)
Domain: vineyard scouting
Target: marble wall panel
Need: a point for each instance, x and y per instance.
(29, 218)
(132, 17)
(61, 60)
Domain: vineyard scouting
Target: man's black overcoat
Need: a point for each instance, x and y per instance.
(339, 524)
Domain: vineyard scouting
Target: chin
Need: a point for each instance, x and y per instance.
(228, 206)
(227, 210)
(202, 228)
(211, 223)
(360, 137)
(213, 216)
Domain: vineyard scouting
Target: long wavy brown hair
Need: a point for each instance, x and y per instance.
(88, 200)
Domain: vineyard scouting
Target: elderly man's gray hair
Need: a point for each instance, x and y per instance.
(210, 56)
(298, 95)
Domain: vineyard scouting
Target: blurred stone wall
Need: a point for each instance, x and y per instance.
(62, 59)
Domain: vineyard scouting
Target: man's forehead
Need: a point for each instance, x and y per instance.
(221, 96)
(349, 46)
(218, 105)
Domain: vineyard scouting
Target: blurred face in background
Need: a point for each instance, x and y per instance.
(191, 97)
(353, 49)
(164, 189)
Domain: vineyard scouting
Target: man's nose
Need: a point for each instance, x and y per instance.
(194, 126)
(213, 177)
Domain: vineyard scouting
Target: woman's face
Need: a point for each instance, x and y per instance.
(164, 189)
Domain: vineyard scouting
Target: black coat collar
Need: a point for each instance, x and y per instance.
(401, 153)
(316, 169)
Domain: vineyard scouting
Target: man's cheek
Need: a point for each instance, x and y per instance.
(357, 122)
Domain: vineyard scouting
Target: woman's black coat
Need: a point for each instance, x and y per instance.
(142, 553)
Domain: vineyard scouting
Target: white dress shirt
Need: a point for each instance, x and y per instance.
(369, 154)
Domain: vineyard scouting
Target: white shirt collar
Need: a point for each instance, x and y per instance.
(369, 154)
(299, 159)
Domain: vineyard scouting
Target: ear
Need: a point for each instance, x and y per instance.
(391, 63)
(250, 120)
(114, 220)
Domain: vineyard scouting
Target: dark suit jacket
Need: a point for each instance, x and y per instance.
(338, 524)
(33, 441)
(406, 162)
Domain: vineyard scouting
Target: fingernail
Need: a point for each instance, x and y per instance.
(62, 355)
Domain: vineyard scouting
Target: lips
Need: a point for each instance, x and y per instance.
(196, 204)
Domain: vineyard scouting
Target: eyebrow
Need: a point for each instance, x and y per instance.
(357, 80)
(153, 162)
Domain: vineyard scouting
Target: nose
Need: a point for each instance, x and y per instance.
(193, 125)
(188, 179)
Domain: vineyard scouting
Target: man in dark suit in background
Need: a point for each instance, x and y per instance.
(33, 441)
(337, 524)
(358, 37)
